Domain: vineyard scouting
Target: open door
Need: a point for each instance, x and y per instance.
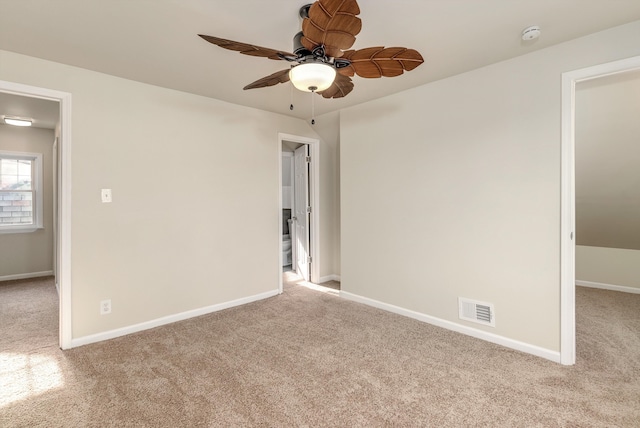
(301, 210)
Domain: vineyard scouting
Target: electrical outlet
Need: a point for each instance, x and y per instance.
(106, 195)
(105, 307)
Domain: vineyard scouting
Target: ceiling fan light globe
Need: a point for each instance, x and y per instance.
(312, 77)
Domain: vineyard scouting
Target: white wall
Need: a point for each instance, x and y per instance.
(608, 161)
(328, 127)
(453, 189)
(194, 218)
(287, 180)
(603, 267)
(25, 254)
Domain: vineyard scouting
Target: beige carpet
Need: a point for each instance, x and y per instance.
(309, 358)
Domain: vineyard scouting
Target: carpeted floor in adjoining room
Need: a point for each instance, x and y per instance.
(309, 358)
(28, 315)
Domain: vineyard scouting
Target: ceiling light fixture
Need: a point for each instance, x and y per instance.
(16, 121)
(312, 76)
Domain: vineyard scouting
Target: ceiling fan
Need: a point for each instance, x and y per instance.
(322, 61)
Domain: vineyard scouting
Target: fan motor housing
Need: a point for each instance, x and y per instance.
(298, 48)
(304, 11)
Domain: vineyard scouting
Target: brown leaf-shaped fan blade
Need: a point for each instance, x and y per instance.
(281, 76)
(340, 88)
(332, 23)
(245, 48)
(381, 62)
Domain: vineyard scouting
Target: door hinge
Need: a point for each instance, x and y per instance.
(309, 210)
(307, 159)
(309, 259)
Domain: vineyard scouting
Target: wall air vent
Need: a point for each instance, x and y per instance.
(475, 311)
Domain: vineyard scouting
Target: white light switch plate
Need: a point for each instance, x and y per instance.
(106, 195)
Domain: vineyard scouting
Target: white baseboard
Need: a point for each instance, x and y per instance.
(622, 288)
(26, 275)
(112, 334)
(469, 331)
(329, 278)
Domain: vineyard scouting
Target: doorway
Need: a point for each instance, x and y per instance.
(62, 190)
(568, 199)
(298, 185)
(296, 237)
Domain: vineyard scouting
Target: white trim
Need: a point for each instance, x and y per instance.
(63, 270)
(567, 198)
(7, 230)
(314, 197)
(280, 288)
(602, 286)
(112, 334)
(469, 331)
(567, 226)
(329, 278)
(26, 275)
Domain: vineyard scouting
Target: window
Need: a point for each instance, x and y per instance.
(20, 192)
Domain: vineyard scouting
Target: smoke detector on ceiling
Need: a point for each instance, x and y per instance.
(531, 33)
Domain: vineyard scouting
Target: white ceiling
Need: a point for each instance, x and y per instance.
(155, 41)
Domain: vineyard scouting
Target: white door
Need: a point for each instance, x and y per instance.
(301, 214)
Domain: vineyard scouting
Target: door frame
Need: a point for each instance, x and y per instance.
(568, 197)
(314, 198)
(63, 245)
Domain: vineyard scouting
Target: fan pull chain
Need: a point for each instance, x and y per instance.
(313, 108)
(291, 98)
